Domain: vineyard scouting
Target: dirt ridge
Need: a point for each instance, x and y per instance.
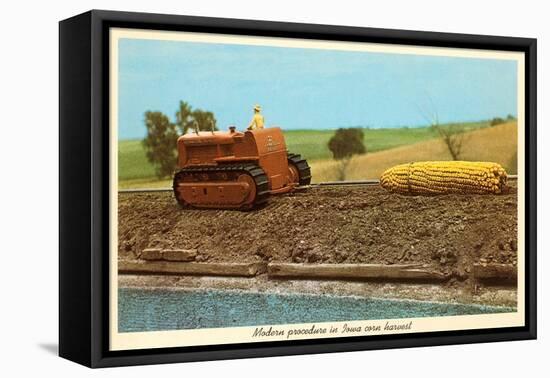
(332, 225)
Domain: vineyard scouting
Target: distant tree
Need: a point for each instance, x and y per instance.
(184, 118)
(160, 143)
(454, 135)
(497, 121)
(162, 135)
(510, 117)
(344, 144)
(187, 118)
(205, 120)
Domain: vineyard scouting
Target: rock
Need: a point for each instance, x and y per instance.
(151, 254)
(201, 258)
(179, 254)
(297, 255)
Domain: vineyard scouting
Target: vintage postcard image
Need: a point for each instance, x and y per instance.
(268, 189)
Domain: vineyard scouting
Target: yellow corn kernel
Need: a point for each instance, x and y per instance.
(445, 177)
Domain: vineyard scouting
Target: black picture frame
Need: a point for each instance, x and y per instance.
(84, 187)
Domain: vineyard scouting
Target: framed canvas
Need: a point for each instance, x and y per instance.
(235, 188)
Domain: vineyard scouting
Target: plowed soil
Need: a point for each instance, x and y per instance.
(359, 224)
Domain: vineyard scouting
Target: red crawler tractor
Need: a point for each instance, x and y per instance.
(236, 170)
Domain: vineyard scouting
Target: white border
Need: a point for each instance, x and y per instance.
(140, 340)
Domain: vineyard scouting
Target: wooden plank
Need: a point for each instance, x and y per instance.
(495, 271)
(190, 268)
(352, 271)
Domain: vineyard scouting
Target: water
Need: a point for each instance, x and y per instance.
(156, 309)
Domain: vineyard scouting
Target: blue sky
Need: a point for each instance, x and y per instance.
(307, 88)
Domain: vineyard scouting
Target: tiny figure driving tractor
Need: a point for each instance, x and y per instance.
(236, 170)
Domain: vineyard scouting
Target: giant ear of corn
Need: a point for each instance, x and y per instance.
(445, 177)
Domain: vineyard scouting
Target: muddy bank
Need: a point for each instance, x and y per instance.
(490, 296)
(359, 224)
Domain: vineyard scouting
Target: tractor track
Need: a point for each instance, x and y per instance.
(230, 172)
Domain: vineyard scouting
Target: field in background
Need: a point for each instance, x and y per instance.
(132, 162)
(385, 147)
(498, 144)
